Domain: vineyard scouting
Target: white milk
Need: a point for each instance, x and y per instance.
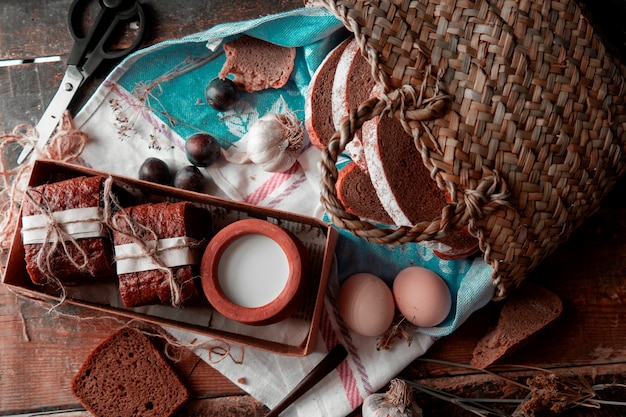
(253, 270)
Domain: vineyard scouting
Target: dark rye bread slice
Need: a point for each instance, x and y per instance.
(257, 64)
(456, 245)
(356, 192)
(404, 186)
(527, 311)
(75, 193)
(402, 182)
(353, 85)
(165, 220)
(318, 117)
(127, 376)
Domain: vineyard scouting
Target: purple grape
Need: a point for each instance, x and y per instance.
(189, 178)
(155, 170)
(221, 94)
(202, 150)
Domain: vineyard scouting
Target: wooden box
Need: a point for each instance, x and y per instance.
(294, 336)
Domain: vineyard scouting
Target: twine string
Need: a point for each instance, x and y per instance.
(120, 221)
(55, 236)
(66, 145)
(13, 179)
(217, 350)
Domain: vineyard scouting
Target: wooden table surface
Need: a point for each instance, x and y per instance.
(41, 350)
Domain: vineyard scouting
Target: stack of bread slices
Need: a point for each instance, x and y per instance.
(386, 181)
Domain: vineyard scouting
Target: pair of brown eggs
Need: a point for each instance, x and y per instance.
(368, 306)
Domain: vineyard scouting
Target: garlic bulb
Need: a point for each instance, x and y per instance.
(396, 402)
(274, 141)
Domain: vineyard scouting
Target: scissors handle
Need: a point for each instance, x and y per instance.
(90, 50)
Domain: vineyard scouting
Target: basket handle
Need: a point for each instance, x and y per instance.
(393, 104)
(491, 194)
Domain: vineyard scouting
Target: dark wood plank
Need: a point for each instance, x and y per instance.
(43, 347)
(32, 28)
(26, 90)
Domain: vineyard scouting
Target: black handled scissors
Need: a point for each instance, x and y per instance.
(87, 54)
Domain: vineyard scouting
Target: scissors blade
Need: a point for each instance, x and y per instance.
(72, 79)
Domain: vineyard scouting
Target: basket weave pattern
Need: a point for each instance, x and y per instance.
(515, 106)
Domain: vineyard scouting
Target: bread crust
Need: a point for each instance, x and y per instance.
(357, 194)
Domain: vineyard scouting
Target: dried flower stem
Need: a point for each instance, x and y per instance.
(144, 91)
(147, 94)
(546, 391)
(473, 405)
(400, 329)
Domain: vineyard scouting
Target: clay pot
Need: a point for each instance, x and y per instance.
(253, 272)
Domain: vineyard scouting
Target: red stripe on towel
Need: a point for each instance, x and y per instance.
(345, 372)
(270, 185)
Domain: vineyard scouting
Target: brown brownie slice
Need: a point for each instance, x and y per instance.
(76, 193)
(165, 220)
(126, 375)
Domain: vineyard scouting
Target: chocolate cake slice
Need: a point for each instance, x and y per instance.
(126, 375)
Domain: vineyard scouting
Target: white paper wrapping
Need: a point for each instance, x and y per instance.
(77, 223)
(172, 252)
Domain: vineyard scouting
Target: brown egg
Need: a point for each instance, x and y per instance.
(421, 296)
(365, 303)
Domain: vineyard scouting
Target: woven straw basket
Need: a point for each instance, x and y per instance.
(515, 106)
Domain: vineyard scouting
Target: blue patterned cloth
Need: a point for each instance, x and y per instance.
(314, 32)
